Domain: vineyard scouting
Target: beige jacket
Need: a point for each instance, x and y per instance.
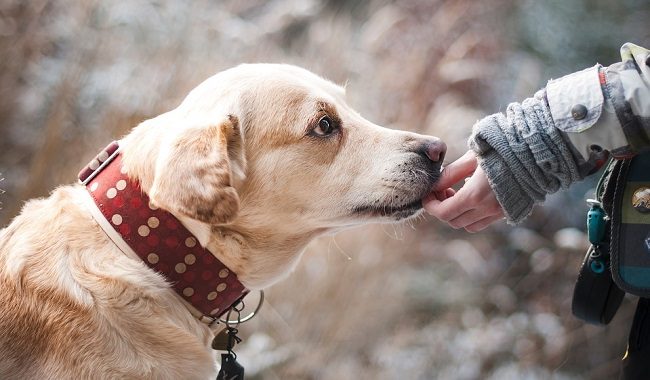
(605, 107)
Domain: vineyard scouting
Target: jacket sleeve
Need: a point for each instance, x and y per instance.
(606, 107)
(562, 134)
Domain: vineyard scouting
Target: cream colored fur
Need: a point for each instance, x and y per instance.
(240, 162)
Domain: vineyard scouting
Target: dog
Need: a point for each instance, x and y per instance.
(255, 162)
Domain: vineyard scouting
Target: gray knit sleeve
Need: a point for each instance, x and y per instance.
(524, 156)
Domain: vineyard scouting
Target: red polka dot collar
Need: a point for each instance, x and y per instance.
(158, 238)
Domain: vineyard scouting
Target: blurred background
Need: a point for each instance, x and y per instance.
(410, 301)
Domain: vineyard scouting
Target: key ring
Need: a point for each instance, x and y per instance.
(227, 321)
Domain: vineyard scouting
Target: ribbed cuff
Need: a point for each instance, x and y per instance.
(514, 201)
(524, 156)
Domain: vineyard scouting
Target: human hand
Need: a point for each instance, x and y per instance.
(474, 206)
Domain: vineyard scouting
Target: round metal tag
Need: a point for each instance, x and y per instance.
(641, 200)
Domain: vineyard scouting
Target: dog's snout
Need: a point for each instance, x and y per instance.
(434, 149)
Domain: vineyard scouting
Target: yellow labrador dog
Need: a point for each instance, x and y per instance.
(256, 162)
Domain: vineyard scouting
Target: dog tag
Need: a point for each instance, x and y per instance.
(220, 341)
(226, 339)
(230, 369)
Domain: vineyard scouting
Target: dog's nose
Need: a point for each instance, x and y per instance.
(435, 150)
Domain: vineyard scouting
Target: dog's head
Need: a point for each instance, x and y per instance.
(272, 155)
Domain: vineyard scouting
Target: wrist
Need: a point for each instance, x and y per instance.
(514, 201)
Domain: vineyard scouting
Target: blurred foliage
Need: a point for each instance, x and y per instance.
(381, 302)
(578, 33)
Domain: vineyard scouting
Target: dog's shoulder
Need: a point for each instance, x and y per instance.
(73, 303)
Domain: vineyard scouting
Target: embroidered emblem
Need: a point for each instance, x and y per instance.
(641, 200)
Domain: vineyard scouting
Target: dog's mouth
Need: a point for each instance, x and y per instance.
(403, 195)
(396, 212)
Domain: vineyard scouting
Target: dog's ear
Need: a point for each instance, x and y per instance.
(195, 171)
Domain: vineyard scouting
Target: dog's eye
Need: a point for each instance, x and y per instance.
(325, 126)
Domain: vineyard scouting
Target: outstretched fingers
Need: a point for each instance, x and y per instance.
(474, 206)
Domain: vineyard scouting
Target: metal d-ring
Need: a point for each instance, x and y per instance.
(250, 316)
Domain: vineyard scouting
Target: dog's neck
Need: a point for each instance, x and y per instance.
(260, 256)
(160, 240)
(245, 247)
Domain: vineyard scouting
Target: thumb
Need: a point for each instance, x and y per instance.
(457, 171)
